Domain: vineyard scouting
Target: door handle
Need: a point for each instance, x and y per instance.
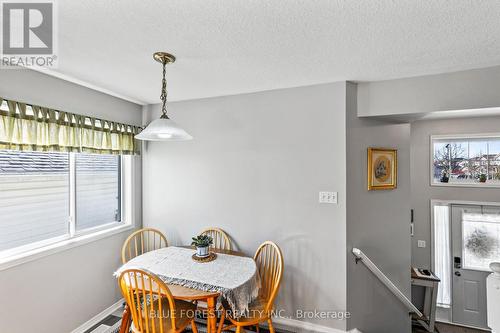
(457, 273)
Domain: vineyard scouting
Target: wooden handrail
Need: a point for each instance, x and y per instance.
(360, 256)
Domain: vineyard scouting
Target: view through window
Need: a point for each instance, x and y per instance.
(466, 161)
(36, 191)
(97, 190)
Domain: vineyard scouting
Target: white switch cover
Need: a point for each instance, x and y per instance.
(328, 197)
(421, 243)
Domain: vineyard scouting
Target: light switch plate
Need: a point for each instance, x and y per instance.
(421, 243)
(328, 197)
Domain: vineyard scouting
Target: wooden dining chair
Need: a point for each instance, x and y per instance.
(152, 306)
(221, 239)
(142, 241)
(269, 260)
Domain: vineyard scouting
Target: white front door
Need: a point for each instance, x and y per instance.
(475, 235)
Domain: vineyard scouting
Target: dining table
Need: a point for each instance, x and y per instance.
(231, 276)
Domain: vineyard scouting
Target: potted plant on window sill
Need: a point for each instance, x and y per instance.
(444, 176)
(482, 178)
(202, 244)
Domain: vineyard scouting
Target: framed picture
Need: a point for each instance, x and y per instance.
(382, 168)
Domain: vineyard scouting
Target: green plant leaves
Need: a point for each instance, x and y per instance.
(202, 241)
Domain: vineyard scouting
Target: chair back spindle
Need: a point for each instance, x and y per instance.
(149, 301)
(142, 241)
(269, 260)
(221, 239)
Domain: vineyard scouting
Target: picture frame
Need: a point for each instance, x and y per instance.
(382, 168)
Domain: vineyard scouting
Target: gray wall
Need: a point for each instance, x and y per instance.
(422, 192)
(254, 168)
(58, 293)
(37, 88)
(470, 89)
(377, 223)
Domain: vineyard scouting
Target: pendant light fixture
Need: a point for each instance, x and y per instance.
(163, 129)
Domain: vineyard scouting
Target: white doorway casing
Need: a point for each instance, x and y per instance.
(466, 282)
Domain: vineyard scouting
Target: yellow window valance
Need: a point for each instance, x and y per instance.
(31, 127)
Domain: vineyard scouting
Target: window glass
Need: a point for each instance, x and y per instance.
(478, 159)
(442, 253)
(466, 161)
(34, 197)
(97, 190)
(40, 191)
(481, 245)
(494, 160)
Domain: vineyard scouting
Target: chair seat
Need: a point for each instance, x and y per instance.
(256, 313)
(185, 313)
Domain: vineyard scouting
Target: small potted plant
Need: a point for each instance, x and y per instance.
(482, 178)
(202, 243)
(444, 176)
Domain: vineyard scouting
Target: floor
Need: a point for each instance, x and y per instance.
(107, 325)
(446, 328)
(111, 324)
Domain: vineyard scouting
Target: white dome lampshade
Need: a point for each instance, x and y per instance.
(163, 129)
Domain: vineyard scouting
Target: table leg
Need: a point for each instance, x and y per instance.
(212, 318)
(125, 326)
(432, 316)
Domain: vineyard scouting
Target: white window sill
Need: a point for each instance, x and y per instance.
(475, 185)
(24, 257)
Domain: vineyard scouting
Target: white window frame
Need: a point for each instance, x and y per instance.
(458, 137)
(33, 251)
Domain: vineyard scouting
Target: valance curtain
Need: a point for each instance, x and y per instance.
(31, 127)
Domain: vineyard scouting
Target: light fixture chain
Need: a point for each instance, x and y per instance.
(163, 95)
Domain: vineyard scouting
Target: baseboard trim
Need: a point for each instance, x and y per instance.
(97, 318)
(462, 325)
(299, 326)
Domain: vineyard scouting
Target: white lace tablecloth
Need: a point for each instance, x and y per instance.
(236, 278)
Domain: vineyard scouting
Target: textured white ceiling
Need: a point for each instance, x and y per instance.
(237, 46)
